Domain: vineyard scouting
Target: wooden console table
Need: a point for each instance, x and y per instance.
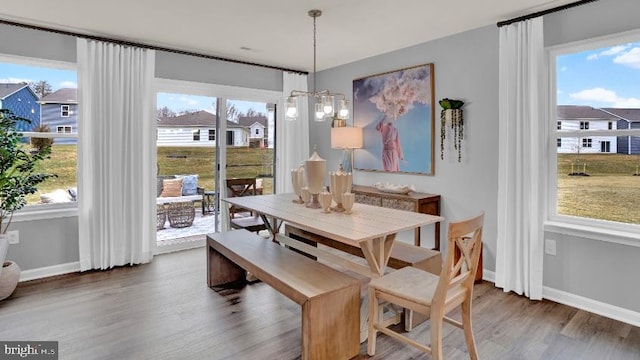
(414, 201)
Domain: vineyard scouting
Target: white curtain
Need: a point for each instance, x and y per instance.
(116, 189)
(293, 136)
(521, 179)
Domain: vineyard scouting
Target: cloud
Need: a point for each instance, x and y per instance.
(630, 58)
(15, 80)
(69, 84)
(188, 101)
(564, 68)
(612, 51)
(609, 97)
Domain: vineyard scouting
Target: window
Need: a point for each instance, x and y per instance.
(64, 129)
(212, 135)
(592, 190)
(257, 131)
(51, 124)
(196, 135)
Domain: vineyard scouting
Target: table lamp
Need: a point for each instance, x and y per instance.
(347, 138)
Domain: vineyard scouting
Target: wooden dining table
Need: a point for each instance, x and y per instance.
(371, 228)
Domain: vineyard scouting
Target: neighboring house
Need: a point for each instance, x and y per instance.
(59, 111)
(22, 101)
(629, 119)
(197, 129)
(257, 128)
(574, 117)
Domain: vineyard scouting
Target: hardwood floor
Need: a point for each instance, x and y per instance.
(164, 310)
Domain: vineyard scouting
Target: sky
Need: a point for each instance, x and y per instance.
(17, 73)
(605, 77)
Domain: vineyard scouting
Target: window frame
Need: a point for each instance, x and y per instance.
(593, 229)
(45, 211)
(65, 108)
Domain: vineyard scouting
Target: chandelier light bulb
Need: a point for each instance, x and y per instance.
(291, 109)
(319, 112)
(343, 112)
(327, 105)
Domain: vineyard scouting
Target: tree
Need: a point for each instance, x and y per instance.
(19, 170)
(165, 112)
(42, 88)
(232, 112)
(253, 113)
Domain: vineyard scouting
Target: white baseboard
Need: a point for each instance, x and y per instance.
(488, 276)
(581, 302)
(48, 271)
(179, 246)
(61, 269)
(596, 307)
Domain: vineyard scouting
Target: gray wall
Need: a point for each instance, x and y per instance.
(466, 67)
(55, 241)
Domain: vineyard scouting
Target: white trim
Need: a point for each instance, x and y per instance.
(179, 247)
(596, 42)
(221, 91)
(629, 238)
(593, 306)
(31, 61)
(581, 302)
(48, 271)
(46, 211)
(489, 276)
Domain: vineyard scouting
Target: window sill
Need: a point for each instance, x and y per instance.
(617, 236)
(43, 212)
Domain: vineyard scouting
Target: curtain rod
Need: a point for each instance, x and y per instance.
(145, 46)
(544, 12)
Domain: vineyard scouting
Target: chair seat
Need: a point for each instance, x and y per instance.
(403, 282)
(251, 223)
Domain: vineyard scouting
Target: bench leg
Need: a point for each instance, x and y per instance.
(221, 270)
(331, 325)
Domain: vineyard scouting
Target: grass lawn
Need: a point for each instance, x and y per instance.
(241, 162)
(610, 192)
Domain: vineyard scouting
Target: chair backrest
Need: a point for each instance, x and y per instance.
(461, 261)
(238, 187)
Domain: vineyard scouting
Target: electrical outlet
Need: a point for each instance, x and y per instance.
(14, 237)
(550, 247)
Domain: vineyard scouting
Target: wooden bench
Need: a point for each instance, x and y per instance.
(402, 254)
(330, 299)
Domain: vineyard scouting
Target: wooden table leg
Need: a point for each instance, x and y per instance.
(377, 252)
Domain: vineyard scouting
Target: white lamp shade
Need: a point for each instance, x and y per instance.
(346, 138)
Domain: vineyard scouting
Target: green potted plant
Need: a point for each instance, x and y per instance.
(19, 174)
(452, 113)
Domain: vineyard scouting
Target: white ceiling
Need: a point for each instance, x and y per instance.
(274, 32)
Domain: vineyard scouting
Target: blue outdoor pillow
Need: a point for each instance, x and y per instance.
(189, 184)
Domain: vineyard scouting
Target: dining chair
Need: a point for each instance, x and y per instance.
(432, 295)
(237, 187)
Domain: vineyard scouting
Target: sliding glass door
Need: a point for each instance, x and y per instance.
(210, 133)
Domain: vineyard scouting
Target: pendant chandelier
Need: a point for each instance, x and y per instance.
(325, 100)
